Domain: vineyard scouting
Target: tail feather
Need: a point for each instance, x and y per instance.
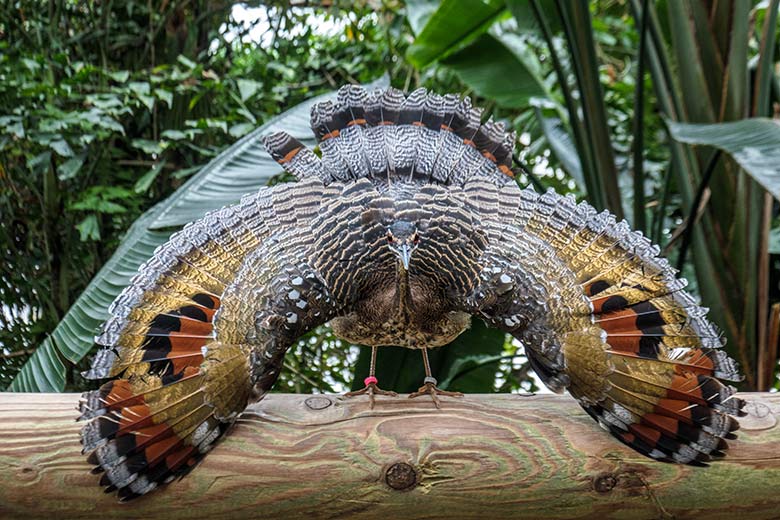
(390, 105)
(430, 137)
(294, 157)
(503, 154)
(348, 127)
(488, 140)
(351, 103)
(384, 135)
(466, 157)
(409, 134)
(374, 135)
(489, 137)
(333, 159)
(448, 142)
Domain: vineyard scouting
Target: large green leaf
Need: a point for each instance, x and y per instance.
(497, 66)
(753, 143)
(527, 21)
(43, 372)
(562, 145)
(418, 12)
(242, 168)
(401, 369)
(494, 71)
(452, 25)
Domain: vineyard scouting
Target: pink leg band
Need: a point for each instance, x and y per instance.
(369, 380)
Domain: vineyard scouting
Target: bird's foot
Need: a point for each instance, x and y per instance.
(371, 389)
(429, 388)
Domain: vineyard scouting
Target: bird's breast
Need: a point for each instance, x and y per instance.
(395, 315)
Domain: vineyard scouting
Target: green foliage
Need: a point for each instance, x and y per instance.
(753, 143)
(106, 109)
(453, 24)
(505, 78)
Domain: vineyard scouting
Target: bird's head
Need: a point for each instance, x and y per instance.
(403, 239)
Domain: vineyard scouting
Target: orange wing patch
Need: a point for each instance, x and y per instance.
(175, 341)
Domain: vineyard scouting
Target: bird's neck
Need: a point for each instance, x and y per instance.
(404, 294)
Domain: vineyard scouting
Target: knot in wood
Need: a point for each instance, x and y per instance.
(604, 483)
(401, 476)
(759, 417)
(27, 473)
(318, 402)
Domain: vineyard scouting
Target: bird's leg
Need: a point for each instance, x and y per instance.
(371, 382)
(429, 384)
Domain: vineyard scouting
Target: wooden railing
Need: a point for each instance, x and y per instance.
(482, 456)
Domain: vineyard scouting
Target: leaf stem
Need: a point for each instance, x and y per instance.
(694, 211)
(638, 141)
(594, 194)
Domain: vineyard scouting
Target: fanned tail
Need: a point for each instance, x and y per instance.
(386, 136)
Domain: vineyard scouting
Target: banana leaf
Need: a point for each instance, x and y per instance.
(753, 143)
(496, 71)
(453, 25)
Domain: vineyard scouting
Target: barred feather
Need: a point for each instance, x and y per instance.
(385, 135)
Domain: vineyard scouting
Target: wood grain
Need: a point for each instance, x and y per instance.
(483, 456)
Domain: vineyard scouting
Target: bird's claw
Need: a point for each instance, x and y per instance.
(430, 388)
(371, 389)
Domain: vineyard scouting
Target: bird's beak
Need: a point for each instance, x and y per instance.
(405, 253)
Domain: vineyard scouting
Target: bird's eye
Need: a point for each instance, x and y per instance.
(416, 239)
(390, 238)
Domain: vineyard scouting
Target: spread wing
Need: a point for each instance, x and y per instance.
(601, 315)
(200, 331)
